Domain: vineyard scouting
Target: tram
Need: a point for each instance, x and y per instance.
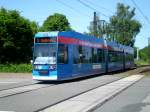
(68, 55)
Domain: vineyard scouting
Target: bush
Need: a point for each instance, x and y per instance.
(15, 68)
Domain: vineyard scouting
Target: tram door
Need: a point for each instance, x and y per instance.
(64, 67)
(76, 66)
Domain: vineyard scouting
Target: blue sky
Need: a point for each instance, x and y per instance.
(78, 15)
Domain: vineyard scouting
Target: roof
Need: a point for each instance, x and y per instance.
(86, 38)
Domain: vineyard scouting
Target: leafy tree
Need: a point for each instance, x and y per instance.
(34, 26)
(123, 27)
(145, 54)
(56, 22)
(16, 36)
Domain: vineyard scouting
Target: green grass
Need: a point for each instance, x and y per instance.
(141, 62)
(16, 68)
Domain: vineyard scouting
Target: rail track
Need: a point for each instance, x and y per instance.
(22, 89)
(39, 85)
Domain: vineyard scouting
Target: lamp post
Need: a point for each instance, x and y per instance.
(148, 41)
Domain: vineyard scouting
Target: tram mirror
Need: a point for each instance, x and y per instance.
(31, 61)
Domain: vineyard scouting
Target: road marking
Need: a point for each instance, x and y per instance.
(7, 111)
(8, 83)
(88, 101)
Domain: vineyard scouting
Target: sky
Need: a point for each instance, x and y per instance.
(80, 16)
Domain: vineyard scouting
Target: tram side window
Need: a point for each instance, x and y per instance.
(122, 56)
(76, 58)
(62, 54)
(112, 57)
(129, 57)
(94, 55)
(89, 55)
(100, 55)
(86, 54)
(119, 56)
(81, 55)
(132, 57)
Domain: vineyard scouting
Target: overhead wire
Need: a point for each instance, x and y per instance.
(90, 7)
(145, 17)
(72, 8)
(138, 18)
(98, 6)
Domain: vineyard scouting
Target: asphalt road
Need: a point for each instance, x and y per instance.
(11, 80)
(134, 99)
(44, 97)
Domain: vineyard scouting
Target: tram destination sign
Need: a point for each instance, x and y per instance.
(46, 40)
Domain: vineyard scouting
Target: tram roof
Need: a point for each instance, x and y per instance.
(72, 34)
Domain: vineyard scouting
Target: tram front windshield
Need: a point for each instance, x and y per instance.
(45, 54)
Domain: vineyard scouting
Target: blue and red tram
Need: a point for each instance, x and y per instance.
(67, 55)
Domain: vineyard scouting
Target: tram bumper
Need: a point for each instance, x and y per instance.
(44, 75)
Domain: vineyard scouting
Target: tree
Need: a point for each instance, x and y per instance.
(56, 22)
(34, 26)
(145, 54)
(16, 36)
(123, 27)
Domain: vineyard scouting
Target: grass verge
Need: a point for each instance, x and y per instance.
(16, 68)
(141, 62)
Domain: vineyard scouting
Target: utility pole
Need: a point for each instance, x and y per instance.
(95, 25)
(103, 27)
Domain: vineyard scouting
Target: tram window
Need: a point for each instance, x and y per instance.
(129, 57)
(62, 54)
(76, 58)
(112, 56)
(89, 54)
(100, 55)
(86, 54)
(94, 55)
(122, 55)
(81, 55)
(117, 57)
(126, 57)
(132, 57)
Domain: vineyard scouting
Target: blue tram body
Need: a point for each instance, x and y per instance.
(67, 55)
